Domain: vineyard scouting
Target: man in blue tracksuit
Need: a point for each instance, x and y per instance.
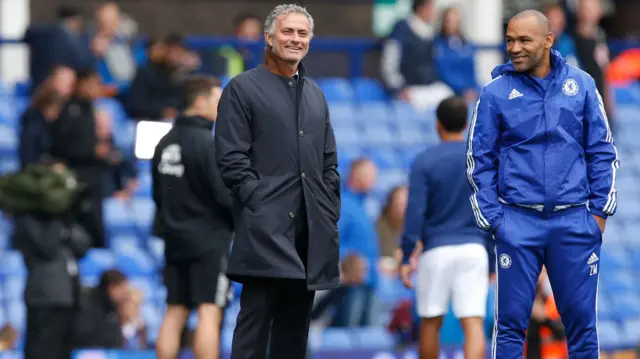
(542, 164)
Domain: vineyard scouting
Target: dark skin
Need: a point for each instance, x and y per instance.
(529, 43)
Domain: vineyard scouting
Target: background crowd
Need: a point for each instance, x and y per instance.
(92, 77)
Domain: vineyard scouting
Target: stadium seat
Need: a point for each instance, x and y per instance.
(618, 281)
(133, 261)
(14, 287)
(145, 186)
(341, 112)
(144, 210)
(378, 135)
(8, 139)
(336, 89)
(117, 215)
(12, 263)
(145, 284)
(17, 314)
(385, 157)
(114, 108)
(8, 163)
(89, 281)
(411, 134)
(22, 88)
(9, 113)
(372, 338)
(336, 339)
(615, 259)
(627, 305)
(96, 261)
(609, 333)
(373, 113)
(369, 90)
(347, 134)
(631, 330)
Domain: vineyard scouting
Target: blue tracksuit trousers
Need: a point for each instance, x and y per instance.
(568, 243)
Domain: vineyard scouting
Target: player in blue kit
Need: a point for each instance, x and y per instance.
(542, 165)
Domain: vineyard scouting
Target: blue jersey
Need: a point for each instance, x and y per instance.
(544, 149)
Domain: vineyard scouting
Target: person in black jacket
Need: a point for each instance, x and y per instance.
(75, 142)
(277, 154)
(51, 246)
(193, 216)
(155, 91)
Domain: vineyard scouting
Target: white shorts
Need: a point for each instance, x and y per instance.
(459, 273)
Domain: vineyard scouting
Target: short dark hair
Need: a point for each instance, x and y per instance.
(419, 3)
(238, 20)
(111, 277)
(174, 40)
(196, 86)
(67, 12)
(86, 74)
(452, 114)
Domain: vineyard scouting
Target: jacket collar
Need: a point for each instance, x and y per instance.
(194, 121)
(558, 66)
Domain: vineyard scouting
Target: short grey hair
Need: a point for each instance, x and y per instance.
(285, 9)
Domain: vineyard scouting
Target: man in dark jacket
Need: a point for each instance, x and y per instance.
(156, 89)
(195, 220)
(75, 143)
(277, 153)
(51, 247)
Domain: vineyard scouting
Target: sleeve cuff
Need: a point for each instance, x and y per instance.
(495, 225)
(598, 212)
(245, 191)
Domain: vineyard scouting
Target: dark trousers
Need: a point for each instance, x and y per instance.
(49, 333)
(274, 315)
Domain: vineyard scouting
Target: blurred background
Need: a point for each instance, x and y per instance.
(382, 65)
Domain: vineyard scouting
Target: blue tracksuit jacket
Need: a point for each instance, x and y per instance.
(561, 156)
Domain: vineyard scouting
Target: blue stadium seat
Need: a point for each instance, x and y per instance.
(12, 263)
(336, 89)
(17, 314)
(14, 285)
(347, 134)
(378, 135)
(117, 214)
(373, 338)
(627, 305)
(96, 261)
(369, 90)
(8, 163)
(122, 243)
(114, 108)
(22, 88)
(156, 248)
(145, 186)
(336, 339)
(341, 112)
(385, 157)
(409, 154)
(8, 139)
(373, 112)
(618, 281)
(134, 261)
(411, 134)
(627, 95)
(614, 259)
(609, 333)
(9, 115)
(89, 281)
(144, 210)
(631, 336)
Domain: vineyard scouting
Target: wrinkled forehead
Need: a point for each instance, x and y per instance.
(294, 21)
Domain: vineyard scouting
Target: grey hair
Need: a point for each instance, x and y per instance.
(286, 9)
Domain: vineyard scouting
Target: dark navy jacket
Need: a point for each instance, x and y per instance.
(545, 150)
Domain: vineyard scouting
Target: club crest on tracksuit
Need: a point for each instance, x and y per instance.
(505, 261)
(570, 87)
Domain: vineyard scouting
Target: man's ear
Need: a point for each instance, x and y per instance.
(549, 40)
(268, 39)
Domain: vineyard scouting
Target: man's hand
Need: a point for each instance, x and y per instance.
(406, 270)
(602, 223)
